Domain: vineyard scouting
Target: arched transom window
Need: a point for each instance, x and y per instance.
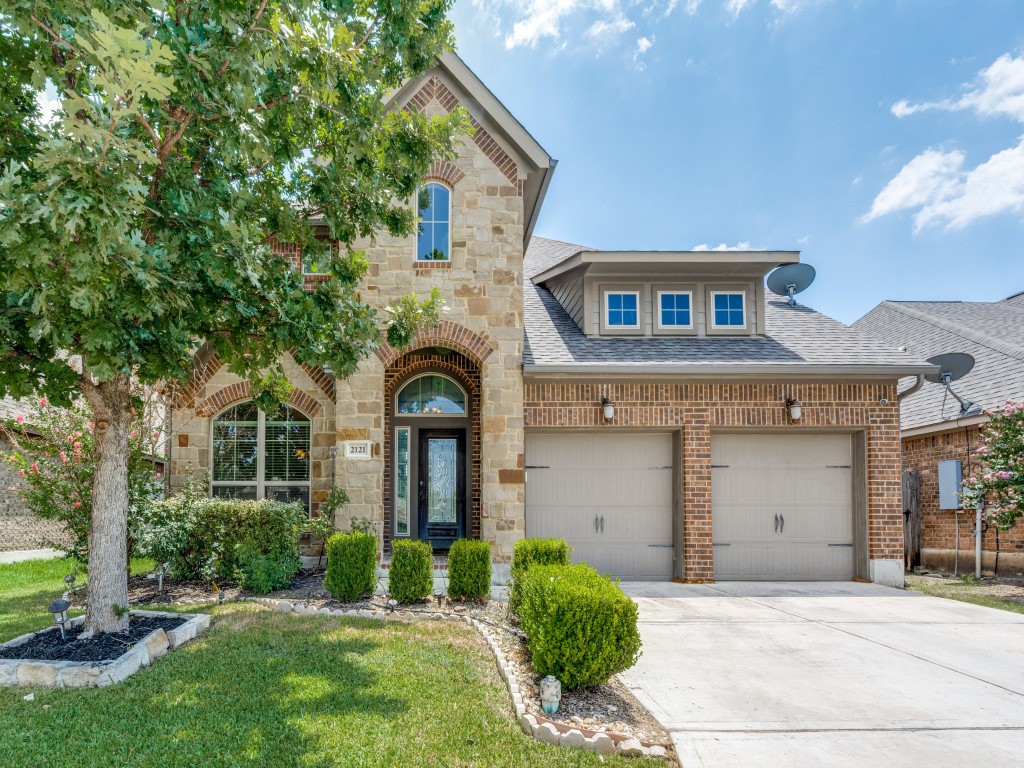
(434, 208)
(259, 455)
(431, 395)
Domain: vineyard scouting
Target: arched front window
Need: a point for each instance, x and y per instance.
(259, 455)
(434, 209)
(431, 395)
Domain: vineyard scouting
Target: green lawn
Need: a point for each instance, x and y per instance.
(263, 688)
(967, 592)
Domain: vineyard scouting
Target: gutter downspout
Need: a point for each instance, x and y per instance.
(916, 386)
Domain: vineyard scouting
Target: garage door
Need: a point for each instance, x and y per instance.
(782, 506)
(608, 495)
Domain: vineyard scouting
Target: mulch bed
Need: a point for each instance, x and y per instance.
(49, 646)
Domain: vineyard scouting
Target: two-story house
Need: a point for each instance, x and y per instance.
(655, 409)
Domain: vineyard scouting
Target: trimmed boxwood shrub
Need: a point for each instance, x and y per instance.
(530, 552)
(411, 576)
(579, 626)
(351, 565)
(469, 569)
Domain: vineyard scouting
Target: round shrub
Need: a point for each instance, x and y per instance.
(530, 552)
(411, 576)
(351, 565)
(579, 626)
(469, 569)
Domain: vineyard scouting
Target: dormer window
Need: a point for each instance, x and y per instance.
(675, 310)
(622, 309)
(728, 309)
(434, 208)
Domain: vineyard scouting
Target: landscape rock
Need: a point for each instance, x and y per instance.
(37, 673)
(632, 748)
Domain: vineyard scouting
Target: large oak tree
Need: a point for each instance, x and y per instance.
(134, 226)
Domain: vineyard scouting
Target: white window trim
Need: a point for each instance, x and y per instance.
(711, 310)
(408, 482)
(305, 272)
(416, 215)
(607, 315)
(261, 458)
(407, 382)
(657, 309)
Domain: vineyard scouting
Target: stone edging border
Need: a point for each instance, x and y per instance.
(540, 728)
(99, 674)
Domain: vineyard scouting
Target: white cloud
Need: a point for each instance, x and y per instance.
(743, 246)
(691, 6)
(604, 31)
(936, 183)
(48, 102)
(735, 7)
(643, 45)
(998, 91)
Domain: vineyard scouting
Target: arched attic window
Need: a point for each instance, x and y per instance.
(431, 395)
(434, 209)
(259, 455)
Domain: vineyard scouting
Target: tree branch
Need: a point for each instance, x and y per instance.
(252, 25)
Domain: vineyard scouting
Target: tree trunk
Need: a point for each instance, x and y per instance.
(108, 529)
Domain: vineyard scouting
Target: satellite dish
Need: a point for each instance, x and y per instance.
(790, 280)
(953, 366)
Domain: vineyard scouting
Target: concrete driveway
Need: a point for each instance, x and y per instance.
(829, 674)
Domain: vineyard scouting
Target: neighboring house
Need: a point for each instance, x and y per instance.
(636, 404)
(19, 528)
(931, 427)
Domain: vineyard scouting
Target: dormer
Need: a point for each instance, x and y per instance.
(665, 293)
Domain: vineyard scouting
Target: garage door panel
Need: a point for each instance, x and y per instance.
(804, 479)
(626, 480)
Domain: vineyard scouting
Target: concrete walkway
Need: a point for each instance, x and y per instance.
(838, 674)
(18, 555)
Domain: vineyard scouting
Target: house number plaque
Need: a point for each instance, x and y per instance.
(358, 449)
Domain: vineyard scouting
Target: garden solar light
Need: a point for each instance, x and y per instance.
(550, 694)
(59, 609)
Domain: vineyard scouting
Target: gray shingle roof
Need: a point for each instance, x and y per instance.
(992, 332)
(796, 338)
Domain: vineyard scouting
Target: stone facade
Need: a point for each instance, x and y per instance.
(482, 336)
(699, 409)
(19, 528)
(938, 527)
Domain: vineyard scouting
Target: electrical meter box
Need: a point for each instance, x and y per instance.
(950, 484)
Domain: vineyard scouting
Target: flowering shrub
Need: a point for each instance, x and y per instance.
(1000, 478)
(54, 454)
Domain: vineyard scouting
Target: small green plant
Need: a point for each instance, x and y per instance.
(579, 626)
(970, 580)
(530, 552)
(411, 576)
(351, 565)
(263, 572)
(469, 569)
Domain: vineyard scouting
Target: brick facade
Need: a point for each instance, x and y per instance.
(938, 528)
(699, 409)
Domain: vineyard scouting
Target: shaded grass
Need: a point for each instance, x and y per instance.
(964, 592)
(26, 588)
(263, 688)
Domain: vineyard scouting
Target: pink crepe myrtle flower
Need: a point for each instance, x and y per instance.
(35, 467)
(1004, 475)
(90, 425)
(43, 402)
(159, 475)
(20, 418)
(63, 457)
(77, 504)
(21, 473)
(133, 434)
(78, 446)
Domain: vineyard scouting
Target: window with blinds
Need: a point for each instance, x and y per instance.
(261, 455)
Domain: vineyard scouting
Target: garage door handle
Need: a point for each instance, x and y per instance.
(596, 529)
(776, 523)
(602, 523)
(782, 523)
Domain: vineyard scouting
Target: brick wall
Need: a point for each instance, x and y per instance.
(19, 528)
(938, 528)
(701, 408)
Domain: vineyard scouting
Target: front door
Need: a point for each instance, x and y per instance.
(442, 486)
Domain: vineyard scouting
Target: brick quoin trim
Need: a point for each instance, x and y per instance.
(446, 172)
(444, 334)
(241, 390)
(435, 89)
(938, 526)
(466, 372)
(698, 409)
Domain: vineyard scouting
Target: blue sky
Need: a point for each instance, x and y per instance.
(883, 139)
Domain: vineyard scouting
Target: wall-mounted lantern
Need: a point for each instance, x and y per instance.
(607, 408)
(794, 408)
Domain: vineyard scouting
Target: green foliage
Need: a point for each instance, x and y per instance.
(351, 565)
(204, 538)
(263, 572)
(530, 552)
(411, 575)
(579, 626)
(999, 481)
(469, 569)
(55, 455)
